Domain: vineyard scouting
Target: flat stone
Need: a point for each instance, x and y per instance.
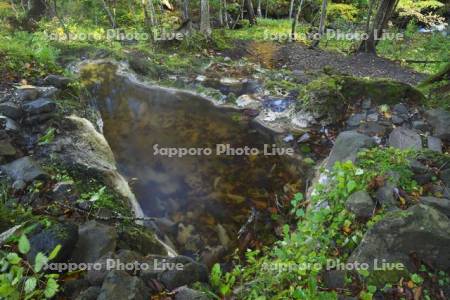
(57, 80)
(372, 129)
(9, 124)
(397, 120)
(361, 204)
(347, 145)
(7, 149)
(11, 110)
(403, 138)
(439, 119)
(185, 293)
(434, 144)
(40, 106)
(372, 117)
(96, 239)
(334, 279)
(25, 169)
(27, 92)
(400, 109)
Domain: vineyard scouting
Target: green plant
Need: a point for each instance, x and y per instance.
(221, 282)
(22, 279)
(48, 137)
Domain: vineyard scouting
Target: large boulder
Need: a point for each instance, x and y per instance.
(439, 119)
(45, 240)
(57, 81)
(39, 106)
(441, 204)
(24, 169)
(119, 285)
(403, 138)
(10, 110)
(185, 293)
(96, 239)
(141, 240)
(347, 145)
(420, 230)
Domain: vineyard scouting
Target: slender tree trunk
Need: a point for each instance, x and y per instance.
(36, 9)
(220, 13)
(323, 18)
(225, 13)
(266, 13)
(111, 18)
(297, 17)
(205, 24)
(149, 12)
(60, 20)
(258, 9)
(379, 23)
(242, 9)
(250, 12)
(291, 9)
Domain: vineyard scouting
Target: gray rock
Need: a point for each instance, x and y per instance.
(119, 285)
(8, 124)
(420, 229)
(48, 92)
(366, 104)
(46, 239)
(400, 109)
(397, 120)
(334, 279)
(6, 148)
(417, 167)
(356, 119)
(445, 177)
(441, 204)
(439, 119)
(347, 145)
(19, 185)
(96, 239)
(25, 169)
(65, 191)
(90, 293)
(11, 110)
(385, 195)
(403, 138)
(372, 129)
(38, 119)
(40, 106)
(435, 144)
(57, 80)
(98, 275)
(360, 203)
(27, 92)
(192, 272)
(420, 126)
(185, 293)
(72, 288)
(372, 117)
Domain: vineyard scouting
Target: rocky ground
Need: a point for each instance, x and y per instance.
(47, 157)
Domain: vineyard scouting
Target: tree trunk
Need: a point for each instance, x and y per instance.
(379, 23)
(258, 9)
(220, 13)
(60, 20)
(266, 13)
(205, 25)
(149, 12)
(291, 9)
(294, 23)
(112, 21)
(250, 12)
(36, 9)
(225, 13)
(323, 17)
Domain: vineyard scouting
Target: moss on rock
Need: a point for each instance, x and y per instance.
(139, 239)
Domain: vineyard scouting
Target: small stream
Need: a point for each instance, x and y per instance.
(200, 201)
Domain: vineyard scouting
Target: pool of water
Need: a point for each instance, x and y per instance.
(205, 197)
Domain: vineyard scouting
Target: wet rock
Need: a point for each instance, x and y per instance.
(347, 145)
(38, 119)
(439, 119)
(397, 120)
(141, 240)
(400, 113)
(10, 110)
(434, 144)
(57, 81)
(334, 279)
(48, 92)
(372, 117)
(27, 92)
(119, 285)
(96, 239)
(40, 106)
(421, 230)
(72, 288)
(45, 240)
(361, 204)
(97, 276)
(366, 104)
(247, 102)
(403, 138)
(356, 119)
(8, 124)
(25, 169)
(441, 204)
(90, 293)
(185, 293)
(212, 255)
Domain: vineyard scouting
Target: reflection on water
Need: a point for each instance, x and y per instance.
(206, 192)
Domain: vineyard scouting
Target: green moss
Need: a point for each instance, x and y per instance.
(139, 239)
(380, 278)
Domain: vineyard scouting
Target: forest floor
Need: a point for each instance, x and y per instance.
(305, 62)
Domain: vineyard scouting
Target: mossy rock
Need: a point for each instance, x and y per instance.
(328, 97)
(139, 239)
(379, 91)
(380, 278)
(140, 63)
